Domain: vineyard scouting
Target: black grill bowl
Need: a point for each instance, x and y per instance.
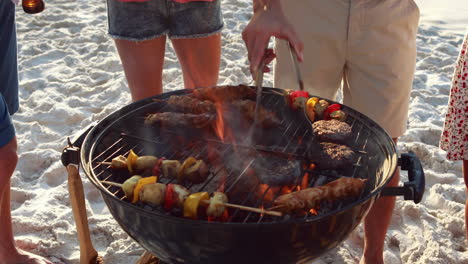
(296, 240)
(176, 240)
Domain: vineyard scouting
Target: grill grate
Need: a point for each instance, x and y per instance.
(130, 133)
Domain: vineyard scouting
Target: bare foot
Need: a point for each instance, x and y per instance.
(23, 257)
(368, 261)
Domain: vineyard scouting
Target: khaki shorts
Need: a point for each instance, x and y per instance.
(370, 45)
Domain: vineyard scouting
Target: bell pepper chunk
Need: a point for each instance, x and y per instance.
(310, 108)
(169, 197)
(157, 168)
(131, 160)
(298, 99)
(192, 202)
(187, 163)
(330, 109)
(140, 184)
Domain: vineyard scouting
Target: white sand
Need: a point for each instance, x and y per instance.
(70, 77)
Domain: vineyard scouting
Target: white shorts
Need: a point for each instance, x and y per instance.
(370, 45)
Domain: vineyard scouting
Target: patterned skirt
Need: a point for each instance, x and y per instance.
(454, 138)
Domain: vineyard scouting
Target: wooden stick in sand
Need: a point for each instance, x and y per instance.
(236, 206)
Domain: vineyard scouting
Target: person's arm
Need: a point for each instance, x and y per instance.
(268, 20)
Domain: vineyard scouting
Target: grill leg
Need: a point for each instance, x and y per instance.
(88, 255)
(147, 258)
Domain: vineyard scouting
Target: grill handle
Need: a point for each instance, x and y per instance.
(414, 188)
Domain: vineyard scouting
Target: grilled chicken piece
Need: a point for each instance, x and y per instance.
(331, 156)
(332, 131)
(224, 93)
(180, 193)
(310, 198)
(192, 105)
(119, 162)
(180, 119)
(216, 207)
(266, 117)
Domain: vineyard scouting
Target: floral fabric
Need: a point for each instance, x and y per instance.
(454, 138)
(178, 1)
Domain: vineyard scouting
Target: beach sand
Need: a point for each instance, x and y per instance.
(71, 77)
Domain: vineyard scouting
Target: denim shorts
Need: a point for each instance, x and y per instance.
(8, 56)
(7, 130)
(151, 19)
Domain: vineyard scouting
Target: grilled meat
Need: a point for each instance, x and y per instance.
(276, 171)
(266, 117)
(332, 156)
(192, 105)
(180, 119)
(224, 93)
(310, 198)
(332, 131)
(216, 206)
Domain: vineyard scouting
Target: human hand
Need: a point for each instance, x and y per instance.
(265, 23)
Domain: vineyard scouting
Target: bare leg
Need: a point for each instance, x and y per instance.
(143, 65)
(376, 225)
(200, 60)
(8, 251)
(465, 177)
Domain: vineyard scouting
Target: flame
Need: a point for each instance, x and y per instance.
(219, 123)
(265, 191)
(313, 212)
(304, 182)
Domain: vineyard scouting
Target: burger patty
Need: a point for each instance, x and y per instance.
(332, 131)
(330, 156)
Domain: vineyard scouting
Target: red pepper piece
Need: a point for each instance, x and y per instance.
(296, 97)
(169, 197)
(157, 168)
(223, 218)
(330, 109)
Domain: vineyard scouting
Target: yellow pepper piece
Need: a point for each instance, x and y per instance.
(310, 108)
(312, 101)
(140, 184)
(187, 164)
(192, 202)
(131, 160)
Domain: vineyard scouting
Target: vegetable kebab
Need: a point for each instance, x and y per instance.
(191, 169)
(176, 197)
(315, 108)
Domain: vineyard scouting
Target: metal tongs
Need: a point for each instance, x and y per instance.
(259, 84)
(300, 81)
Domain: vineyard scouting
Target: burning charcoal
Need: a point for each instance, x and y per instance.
(332, 131)
(276, 171)
(331, 156)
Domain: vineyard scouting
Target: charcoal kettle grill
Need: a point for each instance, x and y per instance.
(246, 237)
